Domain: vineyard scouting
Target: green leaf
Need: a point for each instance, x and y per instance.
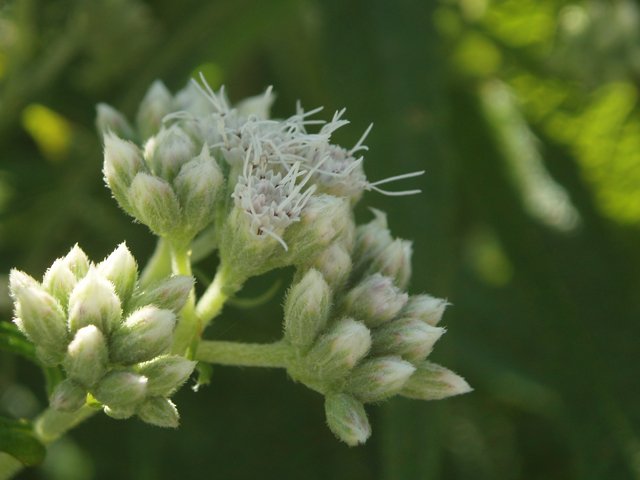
(13, 341)
(18, 440)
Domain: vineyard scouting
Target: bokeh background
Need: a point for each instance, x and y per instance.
(525, 116)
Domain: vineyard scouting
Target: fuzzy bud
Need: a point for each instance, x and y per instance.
(339, 350)
(394, 261)
(410, 338)
(59, 281)
(347, 419)
(121, 389)
(433, 382)
(87, 356)
(159, 411)
(68, 396)
(93, 301)
(426, 308)
(375, 300)
(170, 294)
(39, 316)
(168, 151)
(166, 374)
(335, 265)
(379, 378)
(197, 187)
(110, 120)
(306, 309)
(120, 268)
(258, 105)
(121, 412)
(371, 239)
(145, 334)
(155, 204)
(77, 261)
(122, 162)
(154, 106)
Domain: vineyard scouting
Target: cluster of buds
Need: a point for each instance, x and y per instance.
(369, 341)
(111, 336)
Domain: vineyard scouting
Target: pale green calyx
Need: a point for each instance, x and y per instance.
(375, 300)
(347, 418)
(109, 334)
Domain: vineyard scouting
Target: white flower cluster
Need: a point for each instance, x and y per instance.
(111, 336)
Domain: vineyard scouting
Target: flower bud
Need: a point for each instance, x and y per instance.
(93, 301)
(394, 261)
(197, 187)
(338, 351)
(375, 300)
(120, 268)
(121, 389)
(40, 317)
(110, 120)
(258, 105)
(426, 308)
(146, 333)
(335, 265)
(170, 294)
(160, 412)
(410, 338)
(379, 378)
(59, 281)
(154, 106)
(306, 309)
(347, 418)
(166, 374)
(120, 412)
(168, 151)
(68, 396)
(122, 162)
(87, 356)
(155, 203)
(433, 382)
(371, 238)
(77, 261)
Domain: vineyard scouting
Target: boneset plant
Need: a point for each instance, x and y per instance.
(263, 193)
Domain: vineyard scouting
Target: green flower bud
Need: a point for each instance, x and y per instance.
(160, 412)
(339, 350)
(375, 300)
(121, 269)
(87, 356)
(335, 265)
(410, 338)
(258, 105)
(93, 301)
(110, 120)
(155, 204)
(426, 308)
(68, 396)
(197, 186)
(371, 239)
(168, 151)
(154, 106)
(120, 412)
(122, 162)
(170, 294)
(306, 309)
(146, 333)
(433, 382)
(39, 316)
(379, 378)
(59, 281)
(121, 390)
(166, 374)
(77, 261)
(394, 261)
(347, 419)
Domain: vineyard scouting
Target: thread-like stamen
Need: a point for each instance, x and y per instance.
(397, 177)
(392, 194)
(277, 237)
(358, 146)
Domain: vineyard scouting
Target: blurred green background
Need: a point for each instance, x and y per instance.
(524, 114)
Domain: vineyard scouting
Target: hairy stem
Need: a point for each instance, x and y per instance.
(271, 355)
(190, 326)
(214, 298)
(159, 265)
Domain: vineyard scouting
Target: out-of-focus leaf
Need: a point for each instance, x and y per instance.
(12, 340)
(18, 440)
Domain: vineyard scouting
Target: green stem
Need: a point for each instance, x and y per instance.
(214, 298)
(270, 355)
(190, 326)
(159, 265)
(48, 427)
